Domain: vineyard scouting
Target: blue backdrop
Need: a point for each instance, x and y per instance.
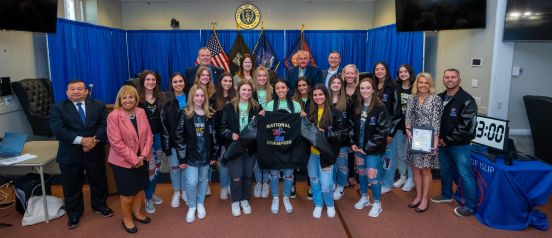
(106, 56)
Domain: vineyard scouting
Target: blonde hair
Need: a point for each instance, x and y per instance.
(267, 87)
(210, 88)
(429, 79)
(356, 72)
(126, 90)
(189, 109)
(251, 103)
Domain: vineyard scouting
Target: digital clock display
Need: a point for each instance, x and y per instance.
(491, 132)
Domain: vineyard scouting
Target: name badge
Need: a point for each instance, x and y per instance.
(372, 121)
(384, 97)
(453, 112)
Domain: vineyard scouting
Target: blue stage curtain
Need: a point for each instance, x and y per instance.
(149, 50)
(95, 54)
(184, 45)
(350, 44)
(394, 48)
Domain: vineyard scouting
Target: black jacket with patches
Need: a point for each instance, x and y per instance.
(458, 121)
(375, 133)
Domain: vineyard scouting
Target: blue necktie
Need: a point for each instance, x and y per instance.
(81, 113)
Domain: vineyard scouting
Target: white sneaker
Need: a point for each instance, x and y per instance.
(175, 201)
(376, 210)
(385, 189)
(156, 200)
(264, 190)
(330, 211)
(223, 193)
(236, 209)
(400, 182)
(190, 217)
(287, 205)
(184, 198)
(408, 186)
(245, 207)
(257, 190)
(208, 192)
(363, 202)
(201, 213)
(317, 212)
(150, 208)
(338, 193)
(275, 205)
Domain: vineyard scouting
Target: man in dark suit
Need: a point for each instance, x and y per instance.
(80, 127)
(334, 59)
(204, 58)
(313, 73)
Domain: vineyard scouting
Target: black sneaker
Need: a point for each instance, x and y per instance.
(440, 198)
(309, 193)
(462, 211)
(293, 193)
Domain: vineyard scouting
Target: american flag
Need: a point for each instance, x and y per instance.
(219, 57)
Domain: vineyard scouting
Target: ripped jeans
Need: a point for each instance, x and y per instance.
(367, 168)
(275, 181)
(178, 177)
(321, 182)
(341, 167)
(197, 179)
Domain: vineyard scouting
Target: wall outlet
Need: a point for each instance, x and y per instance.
(475, 83)
(477, 100)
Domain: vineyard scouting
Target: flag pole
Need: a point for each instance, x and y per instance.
(237, 27)
(302, 36)
(256, 44)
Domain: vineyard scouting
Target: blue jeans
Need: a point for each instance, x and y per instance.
(455, 162)
(261, 175)
(320, 181)
(396, 153)
(275, 180)
(367, 164)
(341, 168)
(223, 170)
(197, 179)
(155, 167)
(178, 178)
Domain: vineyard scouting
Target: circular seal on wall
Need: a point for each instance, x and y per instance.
(248, 16)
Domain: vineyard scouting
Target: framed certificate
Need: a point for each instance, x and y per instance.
(422, 139)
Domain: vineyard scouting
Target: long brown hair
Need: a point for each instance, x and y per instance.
(240, 72)
(210, 86)
(267, 87)
(219, 94)
(189, 109)
(251, 103)
(297, 96)
(341, 104)
(142, 90)
(326, 118)
(375, 101)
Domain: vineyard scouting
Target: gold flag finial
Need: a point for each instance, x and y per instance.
(213, 25)
(262, 25)
(302, 27)
(237, 27)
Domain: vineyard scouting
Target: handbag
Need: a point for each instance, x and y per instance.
(315, 137)
(34, 213)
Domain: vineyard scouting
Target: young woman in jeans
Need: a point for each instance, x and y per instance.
(263, 94)
(173, 102)
(195, 148)
(235, 117)
(371, 125)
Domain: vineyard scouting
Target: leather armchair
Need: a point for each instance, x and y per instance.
(36, 98)
(539, 114)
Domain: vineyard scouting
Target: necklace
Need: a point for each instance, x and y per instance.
(132, 116)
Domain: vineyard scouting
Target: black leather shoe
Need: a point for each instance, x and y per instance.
(418, 210)
(105, 211)
(129, 230)
(146, 220)
(413, 205)
(73, 222)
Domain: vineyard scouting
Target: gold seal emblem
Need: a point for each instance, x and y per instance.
(248, 16)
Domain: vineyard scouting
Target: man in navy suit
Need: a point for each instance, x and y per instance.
(334, 59)
(79, 125)
(204, 58)
(313, 73)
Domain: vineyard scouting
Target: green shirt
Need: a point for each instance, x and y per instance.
(244, 114)
(261, 93)
(283, 105)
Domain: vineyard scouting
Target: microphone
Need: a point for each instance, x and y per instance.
(91, 86)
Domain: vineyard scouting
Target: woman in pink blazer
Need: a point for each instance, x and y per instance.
(130, 137)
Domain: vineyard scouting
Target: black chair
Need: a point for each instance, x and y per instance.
(36, 98)
(539, 113)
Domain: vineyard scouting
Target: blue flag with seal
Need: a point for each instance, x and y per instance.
(264, 54)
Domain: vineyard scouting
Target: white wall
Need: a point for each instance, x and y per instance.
(109, 13)
(276, 15)
(384, 12)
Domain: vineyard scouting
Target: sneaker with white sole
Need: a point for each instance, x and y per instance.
(264, 190)
(400, 182)
(257, 190)
(208, 192)
(201, 213)
(156, 199)
(150, 208)
(330, 211)
(376, 210)
(275, 205)
(236, 209)
(245, 207)
(385, 189)
(223, 193)
(338, 193)
(409, 185)
(363, 202)
(175, 201)
(287, 205)
(317, 212)
(190, 216)
(440, 199)
(293, 192)
(462, 211)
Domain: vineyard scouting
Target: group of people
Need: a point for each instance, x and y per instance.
(367, 120)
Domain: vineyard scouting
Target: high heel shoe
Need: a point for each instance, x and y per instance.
(414, 205)
(129, 230)
(418, 210)
(146, 220)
